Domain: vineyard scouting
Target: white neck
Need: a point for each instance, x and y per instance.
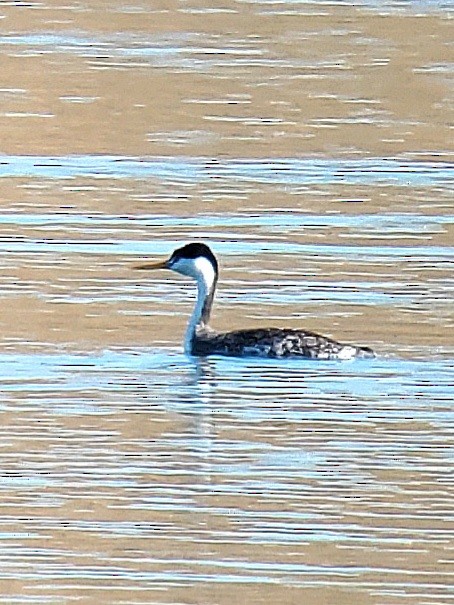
(205, 276)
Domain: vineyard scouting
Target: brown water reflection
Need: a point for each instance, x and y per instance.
(309, 143)
(329, 80)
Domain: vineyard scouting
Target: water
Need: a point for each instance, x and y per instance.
(309, 144)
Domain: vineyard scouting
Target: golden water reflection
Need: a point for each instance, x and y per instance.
(309, 144)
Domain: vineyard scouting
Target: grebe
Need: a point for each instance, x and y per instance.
(196, 260)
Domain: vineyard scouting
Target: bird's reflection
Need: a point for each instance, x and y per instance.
(190, 393)
(195, 399)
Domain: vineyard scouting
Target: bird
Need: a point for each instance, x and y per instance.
(196, 260)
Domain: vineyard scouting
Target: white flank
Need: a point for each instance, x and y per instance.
(347, 352)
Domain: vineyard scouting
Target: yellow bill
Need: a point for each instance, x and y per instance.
(151, 266)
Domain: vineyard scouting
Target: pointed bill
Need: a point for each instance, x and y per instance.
(152, 266)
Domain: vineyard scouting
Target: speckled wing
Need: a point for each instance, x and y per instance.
(275, 342)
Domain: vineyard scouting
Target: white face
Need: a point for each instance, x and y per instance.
(197, 268)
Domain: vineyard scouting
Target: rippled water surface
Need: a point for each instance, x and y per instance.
(310, 144)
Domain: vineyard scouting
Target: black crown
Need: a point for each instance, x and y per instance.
(195, 250)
